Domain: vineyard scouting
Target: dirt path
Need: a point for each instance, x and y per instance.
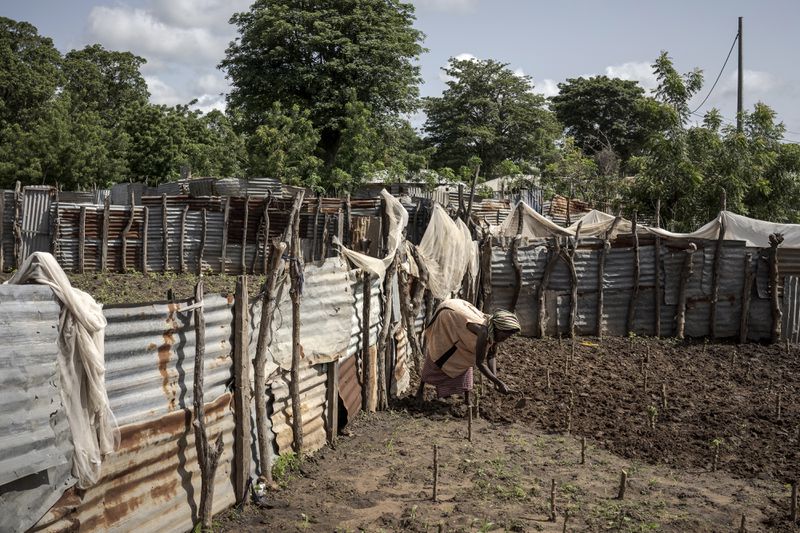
(380, 479)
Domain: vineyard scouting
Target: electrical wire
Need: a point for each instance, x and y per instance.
(736, 38)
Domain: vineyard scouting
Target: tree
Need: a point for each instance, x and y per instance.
(29, 71)
(675, 89)
(603, 113)
(327, 57)
(104, 81)
(489, 112)
(283, 147)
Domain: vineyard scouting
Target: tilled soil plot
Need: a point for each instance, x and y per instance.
(717, 396)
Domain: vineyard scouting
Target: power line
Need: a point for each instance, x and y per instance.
(736, 38)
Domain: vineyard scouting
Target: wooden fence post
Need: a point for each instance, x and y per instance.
(223, 258)
(486, 274)
(243, 259)
(241, 391)
(207, 457)
(555, 255)
(348, 223)
(517, 271)
(746, 295)
(265, 246)
(601, 268)
(383, 338)
(2, 230)
(657, 251)
(17, 224)
(573, 280)
(686, 274)
(164, 233)
(203, 232)
(104, 235)
(182, 248)
(268, 304)
(295, 273)
(315, 239)
(82, 240)
(712, 312)
(54, 229)
(367, 363)
(775, 240)
(636, 275)
(145, 225)
(126, 231)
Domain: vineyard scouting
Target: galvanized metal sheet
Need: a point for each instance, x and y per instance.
(35, 441)
(350, 386)
(36, 232)
(313, 395)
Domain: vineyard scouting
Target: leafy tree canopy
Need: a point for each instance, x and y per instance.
(490, 112)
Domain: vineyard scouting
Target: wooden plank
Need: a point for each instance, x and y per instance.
(241, 392)
(2, 230)
(316, 228)
(164, 233)
(145, 225)
(82, 240)
(125, 232)
(332, 426)
(104, 236)
(182, 262)
(223, 259)
(202, 251)
(367, 362)
(243, 258)
(17, 224)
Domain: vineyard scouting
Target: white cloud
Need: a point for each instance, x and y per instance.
(756, 83)
(640, 71)
(546, 87)
(137, 30)
(461, 6)
(211, 14)
(162, 93)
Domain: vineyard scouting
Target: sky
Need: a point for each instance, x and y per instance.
(184, 40)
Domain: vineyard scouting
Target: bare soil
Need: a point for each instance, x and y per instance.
(380, 477)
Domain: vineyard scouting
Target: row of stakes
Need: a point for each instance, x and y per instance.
(623, 477)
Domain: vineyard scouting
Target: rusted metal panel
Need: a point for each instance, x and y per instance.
(150, 356)
(152, 483)
(35, 445)
(350, 386)
(313, 396)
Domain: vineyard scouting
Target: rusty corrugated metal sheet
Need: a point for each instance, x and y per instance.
(556, 209)
(152, 483)
(350, 386)
(35, 445)
(7, 235)
(313, 396)
(150, 356)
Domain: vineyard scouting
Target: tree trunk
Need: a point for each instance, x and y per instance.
(295, 273)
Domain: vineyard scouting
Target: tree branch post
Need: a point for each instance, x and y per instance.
(686, 274)
(555, 255)
(775, 240)
(747, 292)
(241, 391)
(207, 457)
(295, 275)
(636, 275)
(712, 312)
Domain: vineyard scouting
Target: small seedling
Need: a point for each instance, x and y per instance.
(652, 413)
(715, 444)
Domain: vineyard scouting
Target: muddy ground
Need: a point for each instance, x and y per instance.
(380, 477)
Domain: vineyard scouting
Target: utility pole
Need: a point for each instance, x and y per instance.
(739, 106)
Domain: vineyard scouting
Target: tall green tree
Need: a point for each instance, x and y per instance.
(603, 113)
(490, 112)
(328, 57)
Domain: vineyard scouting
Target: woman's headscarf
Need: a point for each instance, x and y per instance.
(502, 321)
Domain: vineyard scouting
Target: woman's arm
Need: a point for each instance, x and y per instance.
(481, 351)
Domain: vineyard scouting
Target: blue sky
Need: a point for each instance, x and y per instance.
(183, 40)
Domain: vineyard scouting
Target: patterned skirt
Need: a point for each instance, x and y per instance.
(445, 385)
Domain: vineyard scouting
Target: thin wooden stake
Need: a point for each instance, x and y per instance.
(742, 528)
(663, 396)
(793, 504)
(623, 484)
(469, 420)
(435, 472)
(778, 406)
(552, 500)
(566, 517)
(583, 450)
(547, 375)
